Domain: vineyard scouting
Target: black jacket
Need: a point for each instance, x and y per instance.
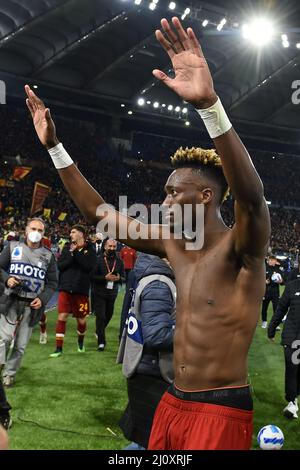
(289, 302)
(272, 289)
(75, 269)
(100, 271)
(293, 275)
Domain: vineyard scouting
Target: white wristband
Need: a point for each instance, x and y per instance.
(60, 157)
(215, 119)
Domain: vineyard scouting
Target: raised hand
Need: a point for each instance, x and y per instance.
(193, 81)
(43, 123)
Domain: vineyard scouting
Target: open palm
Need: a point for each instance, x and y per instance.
(43, 123)
(193, 81)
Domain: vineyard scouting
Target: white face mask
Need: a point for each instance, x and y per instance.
(34, 237)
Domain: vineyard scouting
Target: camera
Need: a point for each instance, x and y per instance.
(18, 289)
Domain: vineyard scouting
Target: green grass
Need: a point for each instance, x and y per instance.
(81, 393)
(71, 402)
(266, 371)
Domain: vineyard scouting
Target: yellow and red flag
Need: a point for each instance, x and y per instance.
(40, 193)
(20, 172)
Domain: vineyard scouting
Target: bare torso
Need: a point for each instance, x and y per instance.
(218, 303)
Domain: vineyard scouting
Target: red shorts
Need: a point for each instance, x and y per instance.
(77, 304)
(188, 425)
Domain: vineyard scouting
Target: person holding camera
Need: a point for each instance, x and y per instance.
(106, 277)
(29, 271)
(273, 281)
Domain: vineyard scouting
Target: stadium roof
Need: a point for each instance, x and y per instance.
(99, 54)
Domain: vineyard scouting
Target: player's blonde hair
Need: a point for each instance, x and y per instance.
(207, 161)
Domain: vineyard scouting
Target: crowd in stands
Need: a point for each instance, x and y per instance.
(138, 177)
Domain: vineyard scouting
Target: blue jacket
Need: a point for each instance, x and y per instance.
(157, 305)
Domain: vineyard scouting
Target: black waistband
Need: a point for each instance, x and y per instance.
(237, 397)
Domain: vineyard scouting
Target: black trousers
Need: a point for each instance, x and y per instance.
(292, 373)
(144, 394)
(4, 405)
(274, 298)
(104, 309)
(127, 271)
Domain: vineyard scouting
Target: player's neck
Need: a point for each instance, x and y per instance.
(213, 221)
(214, 226)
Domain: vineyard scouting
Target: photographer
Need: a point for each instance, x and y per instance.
(29, 271)
(107, 275)
(273, 280)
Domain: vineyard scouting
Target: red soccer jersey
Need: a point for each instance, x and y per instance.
(128, 255)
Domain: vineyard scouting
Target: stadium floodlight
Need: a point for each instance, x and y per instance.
(172, 6)
(130, 112)
(221, 24)
(298, 45)
(205, 23)
(187, 11)
(152, 6)
(137, 2)
(177, 109)
(184, 111)
(170, 107)
(163, 105)
(141, 101)
(260, 31)
(156, 104)
(187, 123)
(284, 37)
(148, 102)
(155, 1)
(122, 105)
(35, 86)
(286, 44)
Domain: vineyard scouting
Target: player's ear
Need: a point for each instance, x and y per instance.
(207, 195)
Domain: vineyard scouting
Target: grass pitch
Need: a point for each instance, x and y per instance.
(75, 401)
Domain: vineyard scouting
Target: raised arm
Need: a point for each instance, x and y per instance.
(86, 198)
(193, 83)
(252, 227)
